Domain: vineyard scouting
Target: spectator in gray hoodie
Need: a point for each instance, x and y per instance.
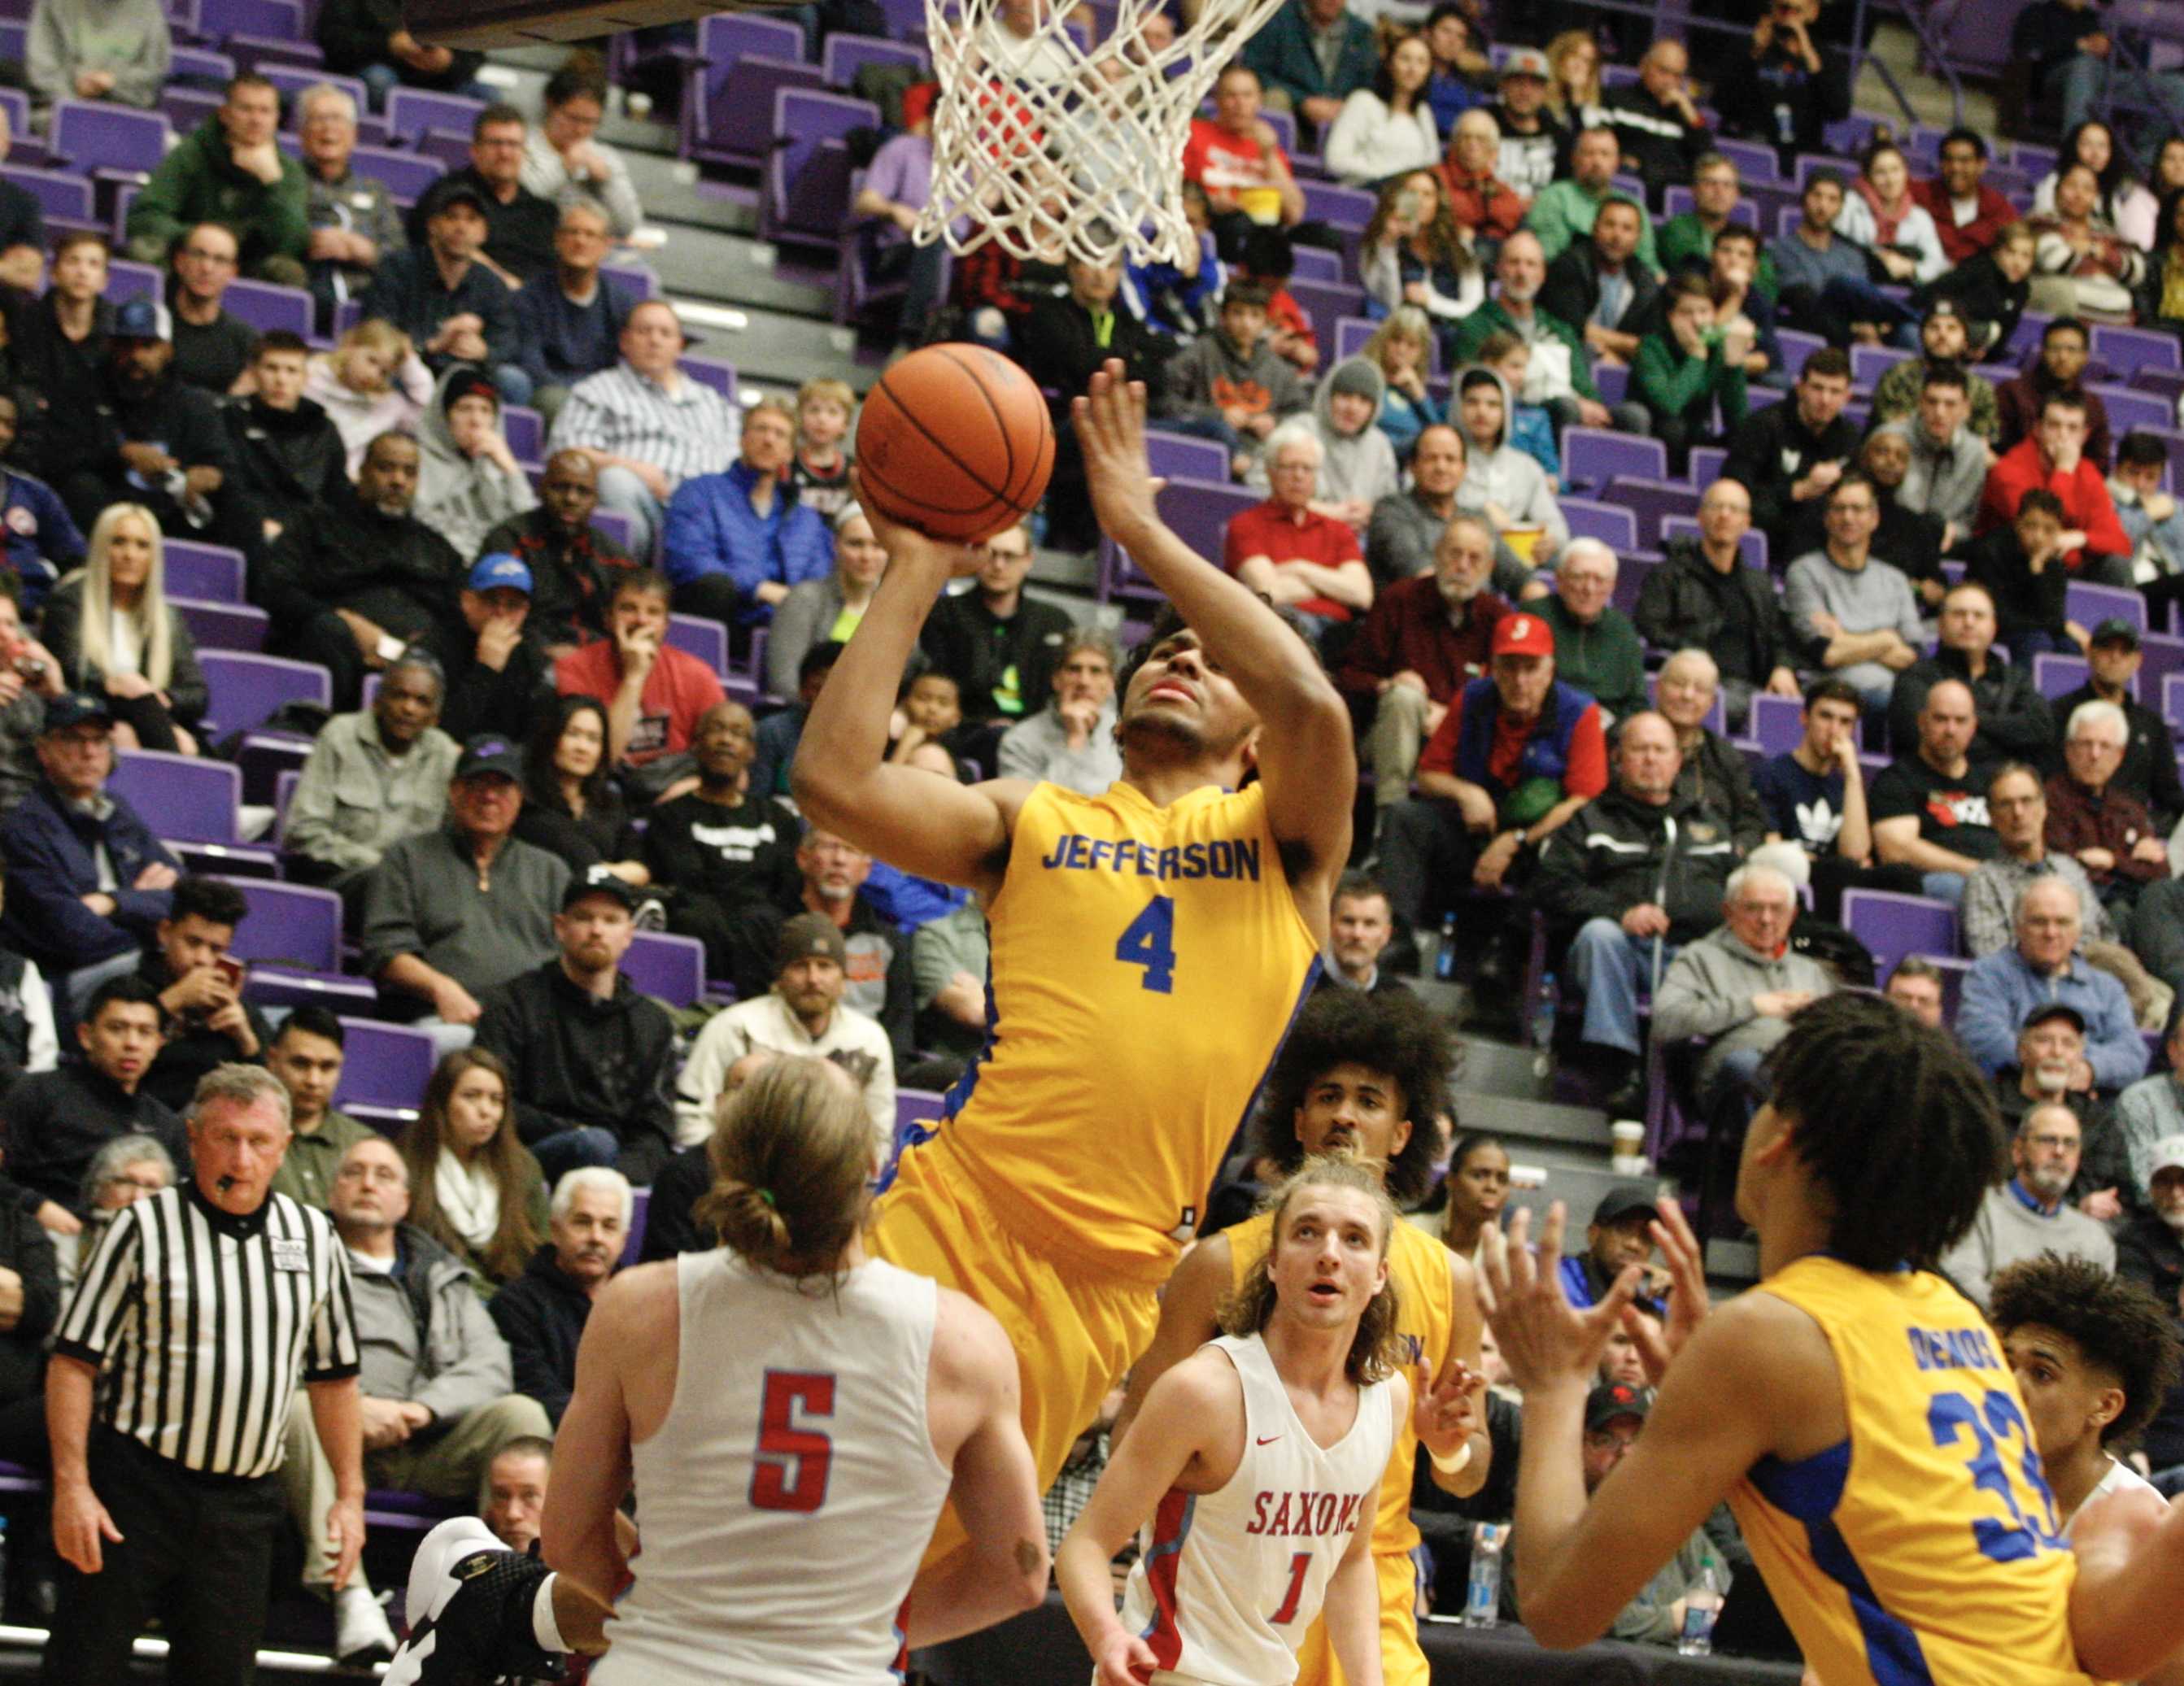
(468, 480)
(1357, 461)
(98, 49)
(1230, 385)
(1508, 484)
(1949, 462)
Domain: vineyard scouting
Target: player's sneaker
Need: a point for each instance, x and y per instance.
(470, 1612)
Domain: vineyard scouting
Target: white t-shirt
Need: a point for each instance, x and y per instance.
(2121, 1478)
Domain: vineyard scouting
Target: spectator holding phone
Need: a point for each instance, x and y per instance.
(206, 1020)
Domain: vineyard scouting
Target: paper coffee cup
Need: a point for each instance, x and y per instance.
(1629, 1137)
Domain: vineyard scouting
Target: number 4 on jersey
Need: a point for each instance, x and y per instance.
(1149, 941)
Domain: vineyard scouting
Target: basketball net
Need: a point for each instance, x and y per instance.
(1040, 143)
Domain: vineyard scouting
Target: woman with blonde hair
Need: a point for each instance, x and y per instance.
(111, 628)
(1401, 348)
(473, 1187)
(372, 382)
(1573, 81)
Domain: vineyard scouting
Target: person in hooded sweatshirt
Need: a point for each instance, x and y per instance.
(1356, 461)
(288, 460)
(1507, 483)
(1230, 385)
(468, 480)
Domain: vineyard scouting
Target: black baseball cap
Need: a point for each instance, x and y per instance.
(1612, 1400)
(2115, 630)
(1625, 1198)
(76, 708)
(2053, 1009)
(450, 191)
(489, 753)
(605, 884)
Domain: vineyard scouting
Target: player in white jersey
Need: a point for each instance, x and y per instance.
(1258, 1462)
(793, 1414)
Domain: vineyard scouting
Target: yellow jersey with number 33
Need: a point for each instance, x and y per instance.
(1146, 964)
(1924, 1547)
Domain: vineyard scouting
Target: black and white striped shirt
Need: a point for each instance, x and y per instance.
(201, 1324)
(693, 432)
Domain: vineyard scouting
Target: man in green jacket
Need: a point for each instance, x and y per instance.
(230, 172)
(1559, 375)
(1565, 208)
(1597, 649)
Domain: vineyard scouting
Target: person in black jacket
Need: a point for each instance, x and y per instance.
(1786, 89)
(1657, 122)
(55, 1122)
(1571, 292)
(2015, 723)
(1704, 597)
(348, 590)
(206, 1020)
(589, 1059)
(1063, 342)
(1788, 455)
(2021, 566)
(541, 1314)
(288, 463)
(571, 807)
(370, 39)
(573, 566)
(722, 851)
(998, 645)
(138, 434)
(498, 676)
(28, 1266)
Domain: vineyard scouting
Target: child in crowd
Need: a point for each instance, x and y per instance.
(1531, 429)
(820, 470)
(1687, 368)
(1269, 259)
(2153, 518)
(1231, 385)
(1356, 463)
(373, 381)
(932, 708)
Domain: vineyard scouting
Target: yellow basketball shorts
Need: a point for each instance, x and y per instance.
(1074, 1336)
(1403, 1663)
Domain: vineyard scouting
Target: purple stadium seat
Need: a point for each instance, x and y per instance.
(192, 797)
(125, 280)
(262, 52)
(707, 640)
(1199, 511)
(384, 1074)
(845, 55)
(1325, 305)
(1651, 501)
(526, 432)
(1796, 347)
(1706, 464)
(1868, 363)
(412, 112)
(1777, 725)
(2129, 409)
(1611, 524)
(187, 109)
(2161, 655)
(638, 284)
(289, 925)
(1351, 334)
(272, 21)
(60, 196)
(450, 148)
(2127, 350)
(671, 969)
(1594, 456)
(1891, 926)
(1630, 577)
(1755, 161)
(266, 307)
(91, 134)
(614, 525)
(248, 690)
(2058, 675)
(406, 175)
(720, 376)
(2031, 327)
(728, 115)
(223, 626)
(2172, 702)
(2089, 605)
(1317, 264)
(1612, 381)
(265, 758)
(806, 197)
(1178, 456)
(725, 38)
(1754, 543)
(1343, 208)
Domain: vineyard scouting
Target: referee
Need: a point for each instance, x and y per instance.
(167, 1396)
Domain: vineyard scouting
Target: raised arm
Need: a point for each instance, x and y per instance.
(1190, 1307)
(1307, 760)
(911, 819)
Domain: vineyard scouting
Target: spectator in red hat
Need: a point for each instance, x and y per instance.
(1516, 755)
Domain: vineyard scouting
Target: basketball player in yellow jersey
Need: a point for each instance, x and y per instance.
(1355, 1073)
(1856, 1412)
(1149, 945)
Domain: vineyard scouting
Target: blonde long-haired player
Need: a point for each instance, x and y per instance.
(1257, 1463)
(791, 1414)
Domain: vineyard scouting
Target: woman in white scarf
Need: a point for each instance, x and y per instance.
(474, 1187)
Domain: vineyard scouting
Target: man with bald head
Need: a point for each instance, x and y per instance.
(647, 425)
(2016, 722)
(1707, 597)
(1738, 985)
(1641, 870)
(573, 564)
(1929, 808)
(1713, 774)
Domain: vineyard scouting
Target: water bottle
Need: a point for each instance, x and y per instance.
(1445, 955)
(1786, 125)
(1701, 1606)
(1482, 1594)
(1545, 1004)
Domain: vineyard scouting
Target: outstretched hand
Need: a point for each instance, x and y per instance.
(1110, 421)
(906, 546)
(1447, 1412)
(1659, 1343)
(1546, 1341)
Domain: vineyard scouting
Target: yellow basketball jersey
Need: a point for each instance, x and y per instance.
(1146, 962)
(1924, 1547)
(1425, 1318)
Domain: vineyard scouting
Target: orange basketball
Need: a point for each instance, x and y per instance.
(955, 440)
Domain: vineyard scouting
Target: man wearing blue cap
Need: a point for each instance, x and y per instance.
(498, 673)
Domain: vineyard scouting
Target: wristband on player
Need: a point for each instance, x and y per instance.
(1456, 1463)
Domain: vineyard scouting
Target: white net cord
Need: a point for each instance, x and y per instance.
(1054, 150)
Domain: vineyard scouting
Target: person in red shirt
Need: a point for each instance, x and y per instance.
(1516, 756)
(1295, 556)
(1967, 213)
(1477, 198)
(1240, 164)
(2095, 545)
(654, 693)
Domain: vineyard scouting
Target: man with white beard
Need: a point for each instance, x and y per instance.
(2031, 1213)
